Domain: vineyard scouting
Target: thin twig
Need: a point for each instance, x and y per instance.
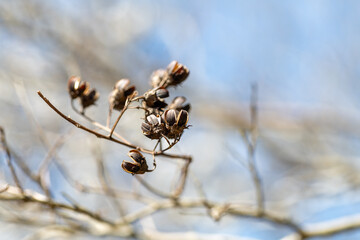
(128, 101)
(97, 190)
(152, 189)
(108, 119)
(12, 195)
(9, 161)
(46, 162)
(105, 181)
(25, 168)
(97, 124)
(251, 150)
(78, 125)
(26, 105)
(183, 176)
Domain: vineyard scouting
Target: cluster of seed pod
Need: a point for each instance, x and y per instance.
(170, 124)
(163, 120)
(81, 89)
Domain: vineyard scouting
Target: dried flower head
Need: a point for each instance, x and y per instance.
(89, 97)
(76, 87)
(153, 127)
(120, 93)
(175, 122)
(155, 98)
(177, 73)
(138, 164)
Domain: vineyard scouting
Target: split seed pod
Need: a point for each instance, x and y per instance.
(120, 93)
(155, 98)
(153, 127)
(175, 122)
(138, 164)
(76, 87)
(89, 97)
(177, 72)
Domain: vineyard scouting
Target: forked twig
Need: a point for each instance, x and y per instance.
(251, 144)
(8, 160)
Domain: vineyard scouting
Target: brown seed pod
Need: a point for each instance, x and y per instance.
(138, 164)
(120, 93)
(89, 98)
(157, 77)
(175, 122)
(178, 104)
(153, 127)
(155, 98)
(76, 87)
(177, 73)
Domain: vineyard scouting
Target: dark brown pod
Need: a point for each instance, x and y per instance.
(183, 118)
(129, 167)
(175, 122)
(170, 117)
(153, 127)
(136, 156)
(138, 166)
(76, 87)
(155, 98)
(89, 97)
(162, 93)
(177, 72)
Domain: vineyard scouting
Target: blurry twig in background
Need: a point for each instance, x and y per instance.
(9, 160)
(106, 182)
(251, 142)
(250, 138)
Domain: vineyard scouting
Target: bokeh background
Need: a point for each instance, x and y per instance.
(303, 55)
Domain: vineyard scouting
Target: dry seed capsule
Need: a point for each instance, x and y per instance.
(175, 122)
(89, 98)
(120, 93)
(155, 98)
(153, 127)
(76, 87)
(177, 72)
(138, 166)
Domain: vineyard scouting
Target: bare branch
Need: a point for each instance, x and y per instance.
(8, 159)
(105, 181)
(251, 143)
(128, 101)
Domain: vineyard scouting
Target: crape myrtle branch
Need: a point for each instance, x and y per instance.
(102, 226)
(161, 120)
